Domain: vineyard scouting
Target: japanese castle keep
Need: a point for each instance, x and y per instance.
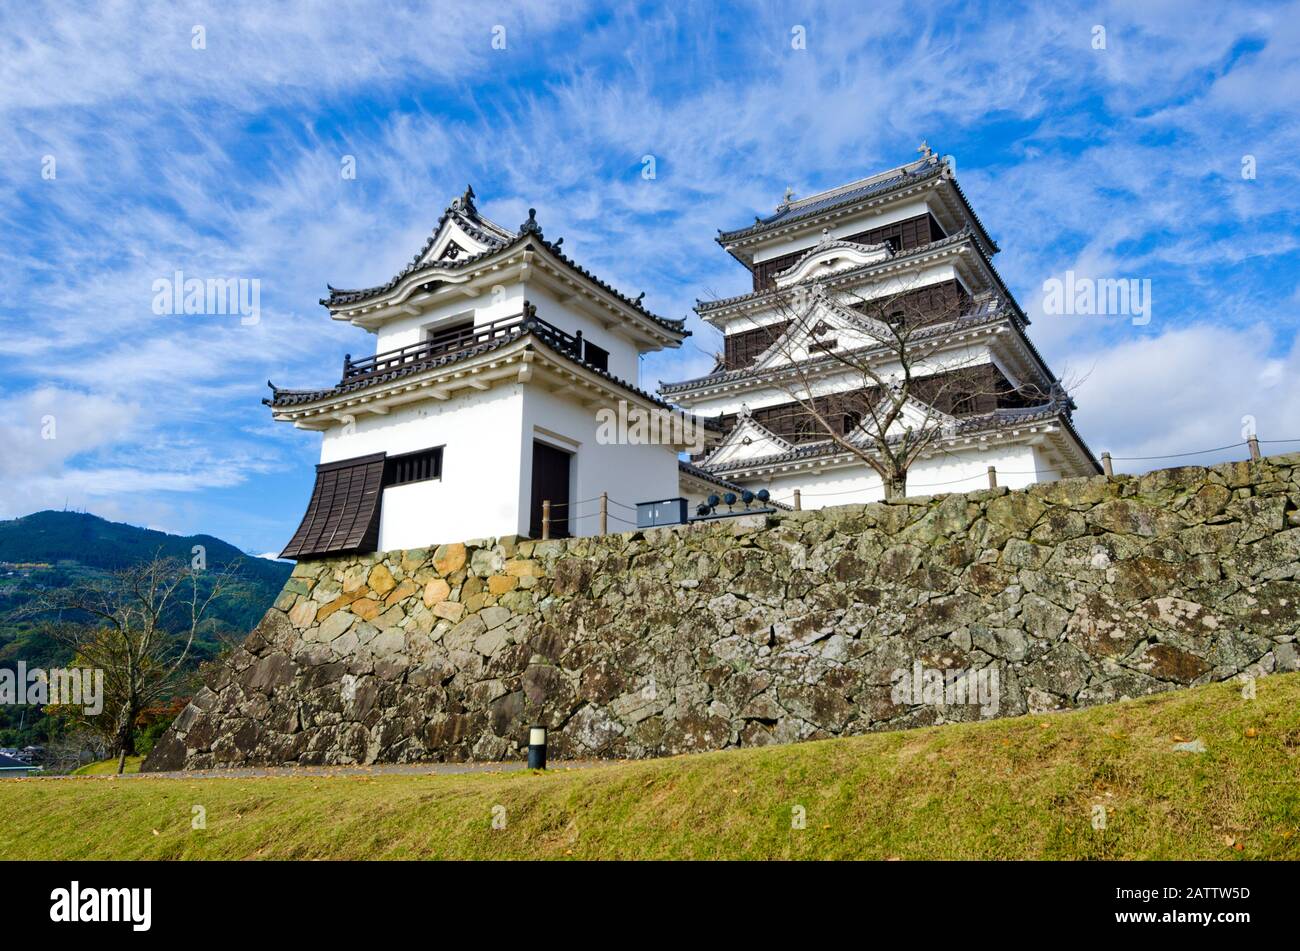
(830, 271)
(496, 356)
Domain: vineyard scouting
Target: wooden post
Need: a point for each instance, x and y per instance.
(604, 512)
(798, 505)
(546, 519)
(993, 477)
(1105, 465)
(1253, 443)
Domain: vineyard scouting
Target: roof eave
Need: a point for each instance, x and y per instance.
(734, 242)
(499, 363)
(1007, 430)
(389, 301)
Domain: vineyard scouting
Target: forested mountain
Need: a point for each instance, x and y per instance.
(47, 551)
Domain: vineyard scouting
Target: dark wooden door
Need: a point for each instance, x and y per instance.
(550, 482)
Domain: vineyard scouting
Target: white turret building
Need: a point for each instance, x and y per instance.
(494, 354)
(819, 264)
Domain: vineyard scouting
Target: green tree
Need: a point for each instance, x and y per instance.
(139, 627)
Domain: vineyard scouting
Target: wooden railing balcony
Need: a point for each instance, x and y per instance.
(448, 345)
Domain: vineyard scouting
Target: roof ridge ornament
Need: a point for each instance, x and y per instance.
(531, 226)
(465, 203)
(786, 199)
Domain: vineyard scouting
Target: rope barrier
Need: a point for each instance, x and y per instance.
(789, 500)
(560, 505)
(1180, 455)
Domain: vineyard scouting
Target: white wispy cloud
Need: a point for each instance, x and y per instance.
(224, 162)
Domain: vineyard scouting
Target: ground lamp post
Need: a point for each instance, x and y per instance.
(537, 747)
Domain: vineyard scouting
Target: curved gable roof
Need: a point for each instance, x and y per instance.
(494, 240)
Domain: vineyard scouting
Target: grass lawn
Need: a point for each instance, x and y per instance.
(1006, 789)
(108, 767)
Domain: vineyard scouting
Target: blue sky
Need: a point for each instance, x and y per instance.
(225, 162)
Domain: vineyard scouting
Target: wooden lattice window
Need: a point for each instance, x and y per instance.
(744, 348)
(419, 466)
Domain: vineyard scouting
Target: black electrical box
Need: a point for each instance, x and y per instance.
(663, 512)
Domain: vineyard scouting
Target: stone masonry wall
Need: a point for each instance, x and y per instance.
(764, 629)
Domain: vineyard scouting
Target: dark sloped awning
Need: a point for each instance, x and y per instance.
(343, 515)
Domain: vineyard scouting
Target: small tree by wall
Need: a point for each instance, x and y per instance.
(138, 626)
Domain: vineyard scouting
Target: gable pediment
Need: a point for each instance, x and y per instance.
(461, 233)
(452, 243)
(747, 440)
(824, 327)
(831, 257)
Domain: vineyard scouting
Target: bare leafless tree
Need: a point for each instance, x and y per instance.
(138, 626)
(77, 747)
(875, 374)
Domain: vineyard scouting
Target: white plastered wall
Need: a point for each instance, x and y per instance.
(1018, 466)
(630, 474)
(477, 495)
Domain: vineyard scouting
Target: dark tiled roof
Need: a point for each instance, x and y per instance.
(970, 425)
(280, 397)
(905, 175)
(902, 177)
(498, 240)
(704, 307)
(985, 312)
(668, 323)
(466, 217)
(8, 762)
(705, 476)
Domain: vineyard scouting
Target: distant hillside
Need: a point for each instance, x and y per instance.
(98, 543)
(50, 551)
(78, 547)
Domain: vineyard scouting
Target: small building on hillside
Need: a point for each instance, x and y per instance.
(810, 347)
(494, 355)
(11, 768)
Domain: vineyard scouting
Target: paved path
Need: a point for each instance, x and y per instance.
(378, 769)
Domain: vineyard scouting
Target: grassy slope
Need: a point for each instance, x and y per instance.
(108, 767)
(1021, 788)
